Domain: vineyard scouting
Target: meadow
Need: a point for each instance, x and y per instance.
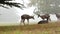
(48, 28)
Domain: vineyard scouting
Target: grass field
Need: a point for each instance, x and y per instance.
(50, 28)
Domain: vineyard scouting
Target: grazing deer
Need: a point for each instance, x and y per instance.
(57, 15)
(42, 22)
(46, 16)
(25, 16)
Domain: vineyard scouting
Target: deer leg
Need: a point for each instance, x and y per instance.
(49, 19)
(28, 21)
(23, 21)
(43, 19)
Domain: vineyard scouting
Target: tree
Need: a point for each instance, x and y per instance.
(11, 4)
(46, 6)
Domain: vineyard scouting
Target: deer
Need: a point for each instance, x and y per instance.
(46, 16)
(25, 16)
(42, 22)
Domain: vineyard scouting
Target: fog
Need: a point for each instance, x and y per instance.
(12, 16)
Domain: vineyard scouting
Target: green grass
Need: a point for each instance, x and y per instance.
(50, 28)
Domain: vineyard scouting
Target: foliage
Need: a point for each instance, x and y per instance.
(46, 6)
(11, 4)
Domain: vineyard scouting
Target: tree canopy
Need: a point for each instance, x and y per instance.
(46, 6)
(11, 4)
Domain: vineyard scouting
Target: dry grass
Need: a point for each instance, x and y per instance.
(50, 28)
